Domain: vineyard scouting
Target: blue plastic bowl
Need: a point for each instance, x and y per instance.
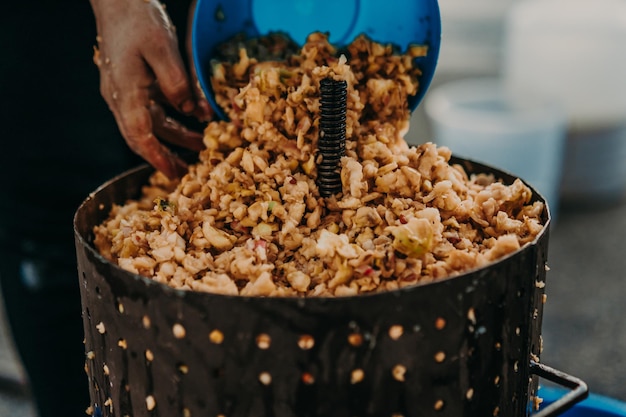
(398, 22)
(594, 406)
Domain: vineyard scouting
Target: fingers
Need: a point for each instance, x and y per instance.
(174, 132)
(143, 124)
(138, 55)
(165, 61)
(173, 81)
(137, 128)
(141, 121)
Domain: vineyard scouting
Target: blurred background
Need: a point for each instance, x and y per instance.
(572, 55)
(506, 67)
(565, 53)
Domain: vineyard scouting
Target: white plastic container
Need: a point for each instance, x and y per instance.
(477, 120)
(472, 36)
(574, 51)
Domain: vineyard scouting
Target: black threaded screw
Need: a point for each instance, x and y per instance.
(331, 144)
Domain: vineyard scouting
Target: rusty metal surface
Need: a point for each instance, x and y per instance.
(477, 364)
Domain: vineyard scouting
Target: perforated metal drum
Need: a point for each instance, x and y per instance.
(462, 346)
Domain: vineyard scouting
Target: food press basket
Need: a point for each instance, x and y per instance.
(464, 346)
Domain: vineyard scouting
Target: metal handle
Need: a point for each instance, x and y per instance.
(579, 392)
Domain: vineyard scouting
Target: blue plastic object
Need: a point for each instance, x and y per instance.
(399, 22)
(594, 406)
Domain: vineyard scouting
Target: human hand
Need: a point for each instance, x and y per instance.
(141, 71)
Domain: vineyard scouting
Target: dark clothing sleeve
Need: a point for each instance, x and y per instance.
(59, 142)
